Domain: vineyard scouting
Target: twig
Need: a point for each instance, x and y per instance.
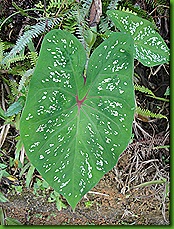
(163, 180)
(143, 131)
(4, 133)
(98, 193)
(158, 7)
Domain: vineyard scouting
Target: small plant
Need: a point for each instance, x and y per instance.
(3, 199)
(55, 197)
(17, 189)
(3, 172)
(88, 204)
(40, 186)
(78, 115)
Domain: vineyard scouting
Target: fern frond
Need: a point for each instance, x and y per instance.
(53, 4)
(128, 6)
(80, 13)
(28, 35)
(69, 21)
(143, 89)
(80, 33)
(155, 3)
(147, 113)
(13, 85)
(33, 56)
(17, 70)
(105, 25)
(24, 78)
(149, 92)
(14, 59)
(56, 4)
(113, 4)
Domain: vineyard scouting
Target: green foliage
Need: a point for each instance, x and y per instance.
(74, 129)
(83, 32)
(147, 91)
(12, 221)
(128, 6)
(17, 189)
(155, 3)
(143, 89)
(40, 185)
(69, 23)
(88, 204)
(13, 86)
(52, 6)
(24, 81)
(16, 107)
(70, 15)
(167, 93)
(90, 36)
(10, 67)
(147, 113)
(3, 199)
(124, 6)
(113, 4)
(26, 38)
(79, 83)
(55, 197)
(29, 175)
(33, 56)
(150, 48)
(3, 170)
(13, 59)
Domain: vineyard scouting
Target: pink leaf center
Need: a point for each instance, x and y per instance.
(79, 102)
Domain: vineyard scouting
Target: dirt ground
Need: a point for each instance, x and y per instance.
(116, 200)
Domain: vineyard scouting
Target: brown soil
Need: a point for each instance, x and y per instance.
(115, 200)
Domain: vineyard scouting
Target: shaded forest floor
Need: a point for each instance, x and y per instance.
(133, 193)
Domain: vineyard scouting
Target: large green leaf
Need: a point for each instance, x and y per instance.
(150, 48)
(74, 128)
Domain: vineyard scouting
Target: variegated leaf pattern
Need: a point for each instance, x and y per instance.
(150, 48)
(76, 123)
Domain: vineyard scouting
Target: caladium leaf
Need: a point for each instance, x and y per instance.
(150, 48)
(76, 123)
